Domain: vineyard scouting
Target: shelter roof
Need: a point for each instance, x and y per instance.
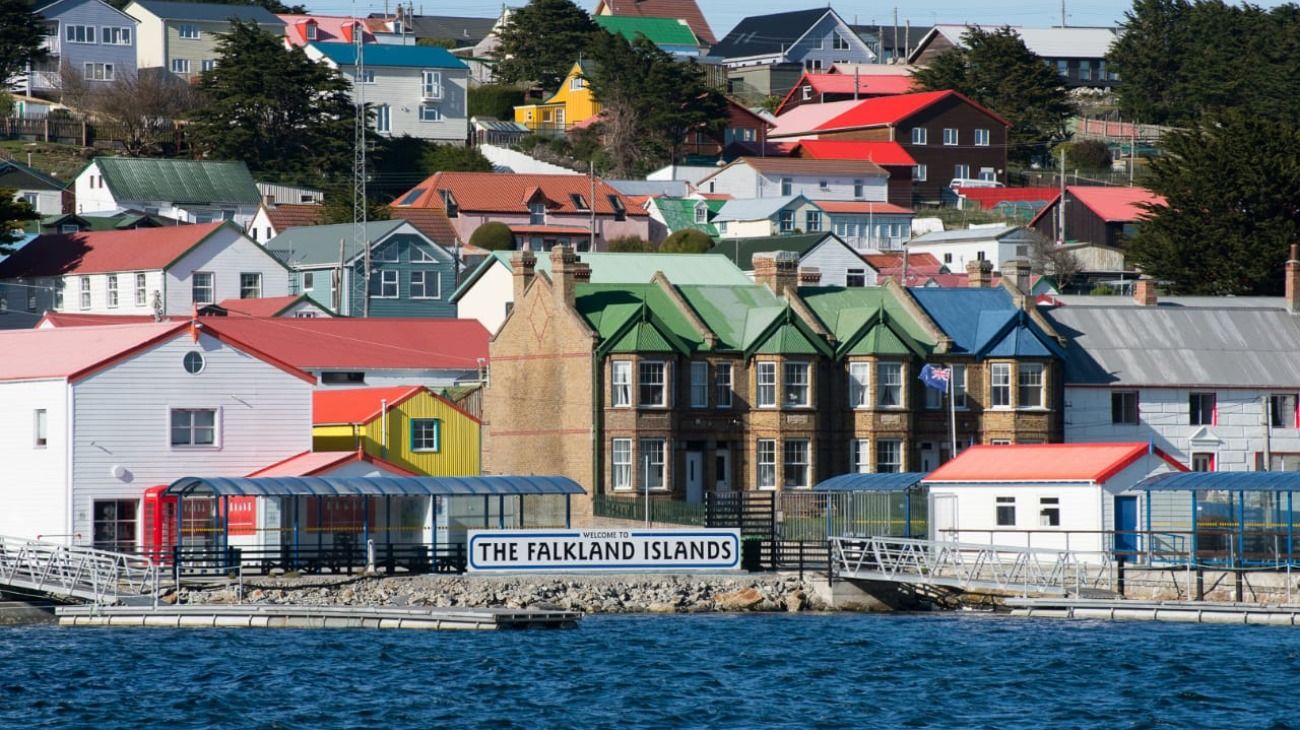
(344, 486)
(312, 463)
(1229, 481)
(876, 482)
(1039, 463)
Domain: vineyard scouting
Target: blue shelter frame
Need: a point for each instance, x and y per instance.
(891, 504)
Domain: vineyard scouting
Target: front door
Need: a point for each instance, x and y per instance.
(929, 457)
(1126, 524)
(944, 509)
(722, 470)
(694, 477)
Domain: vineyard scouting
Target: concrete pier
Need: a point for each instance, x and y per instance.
(1204, 612)
(315, 617)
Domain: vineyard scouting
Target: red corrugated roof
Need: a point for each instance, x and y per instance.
(356, 405)
(329, 28)
(318, 463)
(989, 198)
(861, 206)
(496, 192)
(1040, 463)
(840, 83)
(293, 215)
(887, 110)
(138, 249)
(880, 261)
(881, 153)
(360, 344)
(1114, 205)
(262, 307)
(74, 319)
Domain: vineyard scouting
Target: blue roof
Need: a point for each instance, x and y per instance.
(1230, 481)
(219, 12)
(380, 486)
(985, 322)
(883, 482)
(383, 54)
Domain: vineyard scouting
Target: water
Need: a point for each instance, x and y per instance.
(714, 671)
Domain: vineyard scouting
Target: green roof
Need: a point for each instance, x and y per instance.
(308, 246)
(867, 321)
(679, 213)
(179, 181)
(617, 310)
(660, 31)
(738, 315)
(742, 250)
(628, 268)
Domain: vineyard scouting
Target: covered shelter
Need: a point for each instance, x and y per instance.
(891, 504)
(1232, 518)
(329, 522)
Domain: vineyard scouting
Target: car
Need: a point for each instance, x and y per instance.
(974, 182)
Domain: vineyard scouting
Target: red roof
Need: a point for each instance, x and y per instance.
(75, 319)
(881, 153)
(685, 10)
(356, 405)
(841, 83)
(989, 198)
(498, 192)
(293, 215)
(261, 307)
(329, 28)
(551, 230)
(316, 463)
(888, 110)
(861, 206)
(880, 261)
(1113, 205)
(138, 249)
(432, 222)
(1043, 463)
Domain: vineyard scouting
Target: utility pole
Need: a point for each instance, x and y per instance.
(1060, 213)
(895, 32)
(1062, 13)
(591, 204)
(1132, 151)
(359, 167)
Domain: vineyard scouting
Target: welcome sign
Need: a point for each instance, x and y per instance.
(602, 549)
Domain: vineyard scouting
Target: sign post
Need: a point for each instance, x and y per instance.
(603, 550)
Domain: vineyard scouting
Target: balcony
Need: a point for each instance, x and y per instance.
(50, 44)
(47, 80)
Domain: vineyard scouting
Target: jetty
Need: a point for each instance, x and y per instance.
(243, 616)
(1200, 612)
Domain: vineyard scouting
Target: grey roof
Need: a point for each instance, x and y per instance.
(337, 486)
(1230, 481)
(908, 36)
(308, 246)
(463, 31)
(759, 35)
(876, 482)
(16, 175)
(965, 234)
(1210, 343)
(671, 188)
(209, 11)
(753, 209)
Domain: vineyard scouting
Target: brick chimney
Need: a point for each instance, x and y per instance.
(522, 266)
(567, 272)
(810, 276)
(1144, 291)
(1293, 282)
(779, 270)
(1017, 272)
(979, 274)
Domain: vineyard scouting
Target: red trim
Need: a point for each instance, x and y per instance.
(1171, 460)
(1138, 452)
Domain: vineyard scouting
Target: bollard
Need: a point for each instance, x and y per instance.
(370, 556)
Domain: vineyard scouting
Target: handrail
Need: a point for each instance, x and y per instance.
(87, 573)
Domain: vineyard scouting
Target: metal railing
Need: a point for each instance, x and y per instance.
(673, 512)
(350, 557)
(98, 576)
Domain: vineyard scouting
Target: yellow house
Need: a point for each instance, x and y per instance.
(571, 105)
(407, 426)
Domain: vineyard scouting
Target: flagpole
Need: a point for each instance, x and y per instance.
(952, 408)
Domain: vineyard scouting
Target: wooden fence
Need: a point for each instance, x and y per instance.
(71, 131)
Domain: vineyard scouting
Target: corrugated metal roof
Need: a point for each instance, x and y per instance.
(209, 11)
(1229, 481)
(883, 482)
(385, 54)
(755, 209)
(205, 182)
(743, 250)
(319, 245)
(1039, 463)
(979, 320)
(346, 486)
(101, 252)
(964, 234)
(660, 31)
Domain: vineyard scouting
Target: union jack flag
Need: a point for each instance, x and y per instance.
(936, 377)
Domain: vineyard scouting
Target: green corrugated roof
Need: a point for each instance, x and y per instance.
(879, 340)
(679, 213)
(609, 308)
(660, 31)
(742, 250)
(307, 246)
(179, 181)
(643, 337)
(787, 340)
(867, 320)
(736, 314)
(629, 268)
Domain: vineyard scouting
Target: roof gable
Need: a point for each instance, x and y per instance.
(980, 320)
(214, 12)
(1090, 463)
(308, 246)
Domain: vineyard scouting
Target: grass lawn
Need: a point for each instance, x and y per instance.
(60, 160)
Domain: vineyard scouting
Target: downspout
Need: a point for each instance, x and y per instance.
(383, 428)
(597, 423)
(69, 428)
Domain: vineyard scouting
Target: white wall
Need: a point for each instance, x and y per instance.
(92, 194)
(260, 228)
(743, 181)
(834, 260)
(487, 299)
(747, 229)
(1080, 505)
(48, 202)
(226, 253)
(997, 251)
(150, 41)
(126, 301)
(34, 480)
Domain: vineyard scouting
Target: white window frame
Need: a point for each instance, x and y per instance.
(575, 83)
(111, 35)
(180, 65)
(112, 291)
(800, 465)
(416, 436)
(981, 138)
(311, 31)
(87, 34)
(919, 172)
(1000, 383)
(1031, 369)
(419, 255)
(621, 383)
(796, 391)
(429, 281)
(765, 463)
(699, 385)
(193, 429)
(84, 299)
(649, 367)
(651, 457)
(211, 287)
(894, 449)
(207, 64)
(95, 71)
(430, 113)
(765, 384)
(839, 42)
(621, 464)
(957, 381)
(387, 278)
(383, 118)
(387, 253)
(860, 454)
(886, 368)
(723, 384)
(961, 172)
(1007, 503)
(920, 135)
(431, 85)
(950, 136)
(859, 385)
(250, 281)
(189, 32)
(40, 429)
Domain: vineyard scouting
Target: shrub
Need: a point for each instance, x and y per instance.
(687, 240)
(493, 236)
(1101, 290)
(1088, 154)
(630, 244)
(495, 100)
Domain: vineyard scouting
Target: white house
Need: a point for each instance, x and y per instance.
(144, 271)
(413, 90)
(836, 263)
(193, 191)
(1054, 496)
(996, 244)
(42, 192)
(779, 177)
(757, 217)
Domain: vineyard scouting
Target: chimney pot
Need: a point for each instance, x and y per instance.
(1144, 291)
(567, 272)
(1293, 282)
(778, 270)
(522, 266)
(810, 276)
(1017, 271)
(979, 274)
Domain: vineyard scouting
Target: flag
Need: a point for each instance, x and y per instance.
(936, 377)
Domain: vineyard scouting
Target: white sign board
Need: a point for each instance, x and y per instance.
(603, 549)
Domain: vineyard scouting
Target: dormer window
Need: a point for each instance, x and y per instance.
(449, 203)
(537, 213)
(620, 213)
(579, 202)
(575, 83)
(701, 213)
(311, 31)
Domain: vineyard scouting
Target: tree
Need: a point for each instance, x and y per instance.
(144, 105)
(541, 41)
(493, 236)
(494, 100)
(272, 107)
(21, 41)
(1231, 206)
(1048, 259)
(1150, 57)
(687, 240)
(630, 244)
(13, 214)
(455, 158)
(1087, 154)
(997, 70)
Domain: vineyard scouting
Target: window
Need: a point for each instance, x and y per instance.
(919, 172)
(1063, 67)
(180, 65)
(1124, 408)
(308, 280)
(203, 285)
(652, 390)
(366, 77)
(1202, 462)
(855, 277)
(1085, 71)
(807, 92)
(861, 456)
(207, 64)
(85, 292)
(766, 464)
(796, 384)
(812, 64)
(1049, 512)
(383, 118)
(722, 385)
(988, 174)
(1282, 410)
(1006, 511)
(812, 221)
(949, 136)
(40, 438)
(421, 255)
(426, 434)
(63, 228)
(188, 31)
(859, 378)
(430, 113)
(31, 300)
(388, 253)
(80, 34)
(250, 286)
(859, 189)
(620, 211)
(961, 172)
(766, 384)
(699, 385)
(787, 221)
(958, 384)
(431, 84)
(194, 427)
(58, 295)
(794, 466)
(889, 456)
(342, 377)
(575, 83)
(1000, 385)
(1202, 408)
(889, 385)
(537, 213)
(621, 382)
(385, 284)
(621, 452)
(1029, 385)
(722, 227)
(918, 135)
(580, 203)
(424, 284)
(652, 463)
(787, 186)
(193, 362)
(701, 214)
(981, 138)
(113, 525)
(311, 31)
(99, 72)
(839, 42)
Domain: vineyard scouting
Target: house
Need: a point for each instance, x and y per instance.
(454, 30)
(190, 191)
(542, 210)
(104, 220)
(685, 10)
(407, 426)
(997, 244)
(571, 104)
(867, 225)
(1077, 53)
(272, 220)
(89, 37)
(410, 275)
(745, 129)
(144, 271)
(670, 215)
(892, 44)
(290, 305)
(1095, 214)
(889, 155)
(182, 37)
(670, 35)
(303, 30)
(487, 293)
(820, 88)
(1213, 381)
(835, 261)
(771, 177)
(761, 217)
(1049, 496)
(413, 90)
(99, 414)
(815, 38)
(45, 194)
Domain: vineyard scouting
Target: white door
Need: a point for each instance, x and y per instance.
(929, 457)
(722, 470)
(944, 525)
(694, 477)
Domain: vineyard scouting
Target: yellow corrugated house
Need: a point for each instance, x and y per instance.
(407, 426)
(572, 104)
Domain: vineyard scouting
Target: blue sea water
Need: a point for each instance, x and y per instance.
(703, 671)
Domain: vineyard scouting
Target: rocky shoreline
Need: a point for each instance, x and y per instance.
(587, 593)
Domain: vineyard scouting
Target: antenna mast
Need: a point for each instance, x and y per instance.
(359, 165)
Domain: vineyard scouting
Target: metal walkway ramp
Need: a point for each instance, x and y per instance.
(82, 573)
(971, 567)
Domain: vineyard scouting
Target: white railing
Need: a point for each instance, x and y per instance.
(970, 566)
(98, 576)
